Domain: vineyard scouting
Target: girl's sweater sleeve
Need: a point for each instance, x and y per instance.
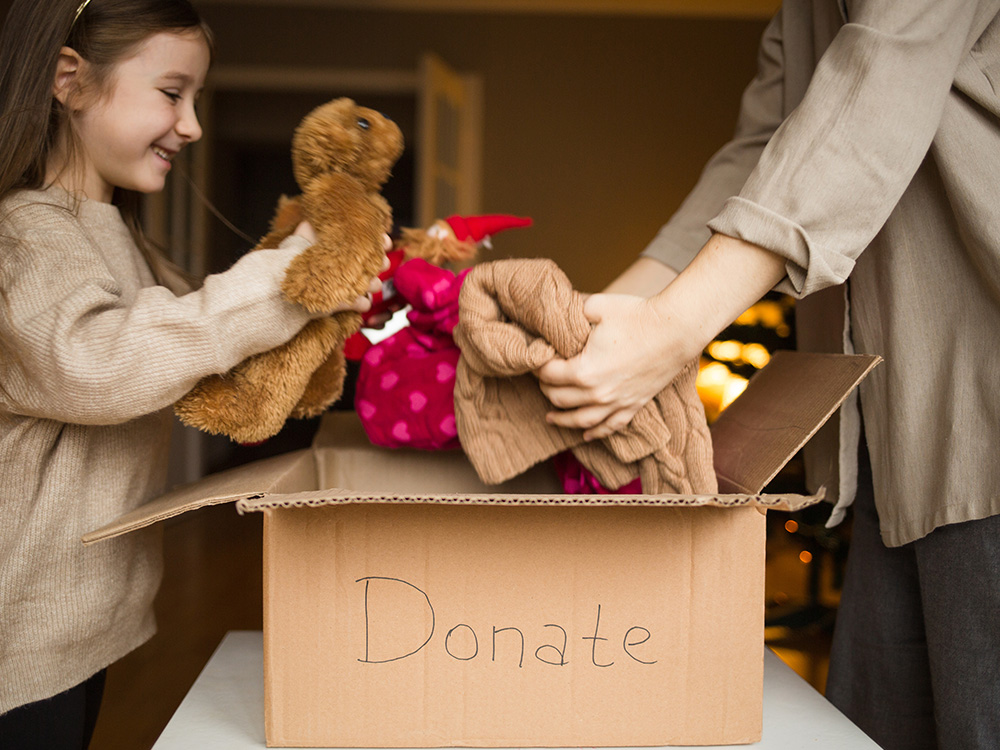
(761, 112)
(835, 169)
(86, 343)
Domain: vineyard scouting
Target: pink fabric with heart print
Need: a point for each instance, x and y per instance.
(577, 479)
(405, 390)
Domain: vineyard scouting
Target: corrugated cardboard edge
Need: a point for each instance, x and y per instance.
(783, 406)
(319, 498)
(288, 472)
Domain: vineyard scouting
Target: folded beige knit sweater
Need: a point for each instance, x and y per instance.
(516, 315)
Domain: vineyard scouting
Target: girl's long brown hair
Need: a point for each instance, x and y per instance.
(31, 119)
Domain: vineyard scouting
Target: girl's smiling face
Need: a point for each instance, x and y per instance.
(128, 137)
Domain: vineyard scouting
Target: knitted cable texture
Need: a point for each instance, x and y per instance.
(516, 315)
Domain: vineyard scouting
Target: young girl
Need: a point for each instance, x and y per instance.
(96, 98)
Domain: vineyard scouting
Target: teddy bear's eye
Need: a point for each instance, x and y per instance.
(363, 123)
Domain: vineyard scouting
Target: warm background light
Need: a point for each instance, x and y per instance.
(728, 362)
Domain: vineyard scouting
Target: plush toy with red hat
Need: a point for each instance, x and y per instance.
(405, 390)
(453, 241)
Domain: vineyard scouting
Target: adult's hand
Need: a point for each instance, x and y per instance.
(637, 346)
(633, 353)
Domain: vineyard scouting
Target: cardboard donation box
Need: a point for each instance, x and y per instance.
(408, 605)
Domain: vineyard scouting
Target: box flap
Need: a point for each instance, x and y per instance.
(782, 407)
(347, 459)
(287, 473)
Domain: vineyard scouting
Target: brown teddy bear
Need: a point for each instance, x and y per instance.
(342, 154)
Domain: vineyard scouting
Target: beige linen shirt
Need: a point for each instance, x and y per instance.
(92, 355)
(868, 148)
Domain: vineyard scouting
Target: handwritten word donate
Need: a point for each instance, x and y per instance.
(463, 642)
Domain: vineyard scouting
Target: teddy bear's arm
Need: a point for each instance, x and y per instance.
(350, 223)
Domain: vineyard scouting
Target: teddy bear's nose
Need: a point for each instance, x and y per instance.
(363, 123)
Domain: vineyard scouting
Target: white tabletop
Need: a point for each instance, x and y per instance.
(225, 707)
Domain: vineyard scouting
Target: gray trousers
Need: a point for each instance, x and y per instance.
(915, 660)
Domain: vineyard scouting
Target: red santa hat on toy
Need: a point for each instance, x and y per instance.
(481, 228)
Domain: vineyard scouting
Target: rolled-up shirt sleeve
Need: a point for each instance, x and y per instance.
(834, 170)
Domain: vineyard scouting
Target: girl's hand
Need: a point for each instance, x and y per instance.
(631, 356)
(304, 229)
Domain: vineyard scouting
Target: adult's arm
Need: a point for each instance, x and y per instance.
(823, 186)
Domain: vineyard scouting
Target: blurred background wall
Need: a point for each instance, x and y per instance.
(595, 125)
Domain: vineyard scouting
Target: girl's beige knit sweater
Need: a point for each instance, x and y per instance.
(92, 355)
